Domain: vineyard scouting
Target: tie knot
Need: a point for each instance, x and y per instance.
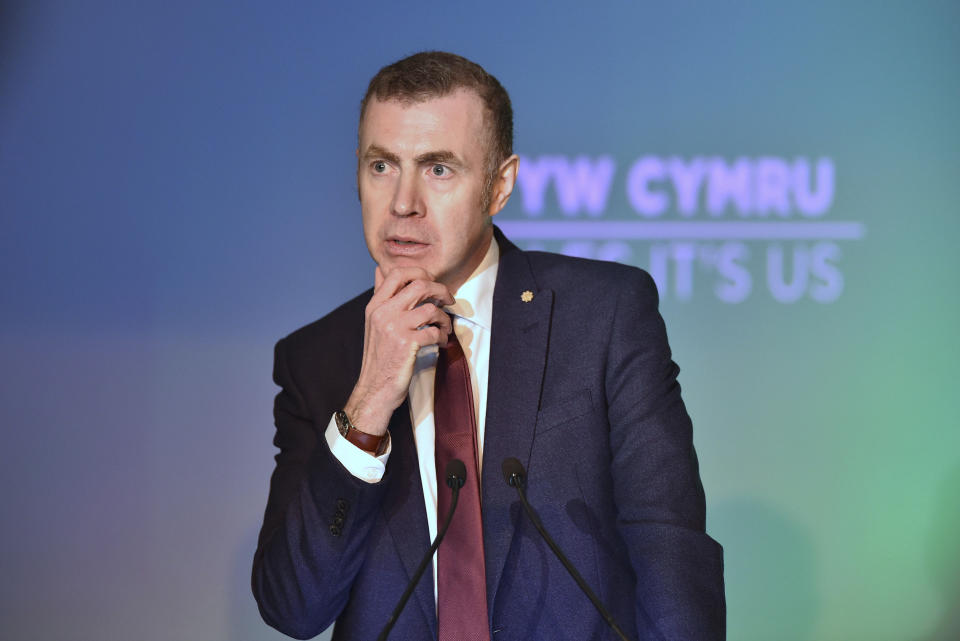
(453, 349)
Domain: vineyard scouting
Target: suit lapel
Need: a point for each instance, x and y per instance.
(518, 353)
(404, 512)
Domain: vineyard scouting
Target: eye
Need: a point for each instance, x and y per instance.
(439, 170)
(379, 167)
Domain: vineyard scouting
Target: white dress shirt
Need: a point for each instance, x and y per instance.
(472, 313)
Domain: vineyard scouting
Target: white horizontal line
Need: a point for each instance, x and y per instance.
(681, 230)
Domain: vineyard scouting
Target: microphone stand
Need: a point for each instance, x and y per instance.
(514, 473)
(455, 478)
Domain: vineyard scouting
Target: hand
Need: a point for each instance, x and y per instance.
(404, 315)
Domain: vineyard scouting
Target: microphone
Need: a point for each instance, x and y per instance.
(456, 473)
(515, 476)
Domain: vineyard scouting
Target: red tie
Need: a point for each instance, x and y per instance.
(461, 579)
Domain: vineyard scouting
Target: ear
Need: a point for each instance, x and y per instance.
(503, 184)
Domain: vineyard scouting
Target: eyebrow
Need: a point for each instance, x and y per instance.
(375, 151)
(442, 156)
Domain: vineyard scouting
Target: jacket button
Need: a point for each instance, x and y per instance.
(334, 530)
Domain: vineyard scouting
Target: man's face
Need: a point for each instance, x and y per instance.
(421, 174)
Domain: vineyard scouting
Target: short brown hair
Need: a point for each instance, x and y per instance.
(433, 74)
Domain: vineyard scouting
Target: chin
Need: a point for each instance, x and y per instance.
(393, 263)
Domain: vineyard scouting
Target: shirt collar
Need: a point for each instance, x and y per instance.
(474, 299)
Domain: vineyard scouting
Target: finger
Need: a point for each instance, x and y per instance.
(377, 278)
(430, 315)
(431, 335)
(443, 323)
(420, 291)
(396, 279)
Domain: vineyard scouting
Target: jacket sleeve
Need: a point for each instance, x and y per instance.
(315, 527)
(657, 489)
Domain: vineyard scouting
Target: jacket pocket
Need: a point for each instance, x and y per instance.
(573, 407)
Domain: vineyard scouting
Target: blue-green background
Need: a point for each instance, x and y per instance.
(177, 192)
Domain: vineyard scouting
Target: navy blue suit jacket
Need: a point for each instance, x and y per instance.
(582, 390)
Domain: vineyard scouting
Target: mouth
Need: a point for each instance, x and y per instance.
(404, 246)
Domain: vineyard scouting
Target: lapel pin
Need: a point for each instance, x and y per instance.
(526, 296)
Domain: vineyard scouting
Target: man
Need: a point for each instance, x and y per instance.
(566, 367)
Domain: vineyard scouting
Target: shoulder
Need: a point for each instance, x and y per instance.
(580, 279)
(583, 278)
(338, 332)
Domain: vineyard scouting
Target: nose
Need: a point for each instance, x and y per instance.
(406, 197)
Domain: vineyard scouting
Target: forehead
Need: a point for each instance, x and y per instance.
(455, 120)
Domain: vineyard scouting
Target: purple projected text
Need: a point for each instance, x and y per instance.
(700, 225)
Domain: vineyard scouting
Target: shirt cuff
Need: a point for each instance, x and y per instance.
(361, 464)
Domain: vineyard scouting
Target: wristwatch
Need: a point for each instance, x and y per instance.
(363, 440)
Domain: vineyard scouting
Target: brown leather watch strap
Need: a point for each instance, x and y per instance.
(368, 442)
